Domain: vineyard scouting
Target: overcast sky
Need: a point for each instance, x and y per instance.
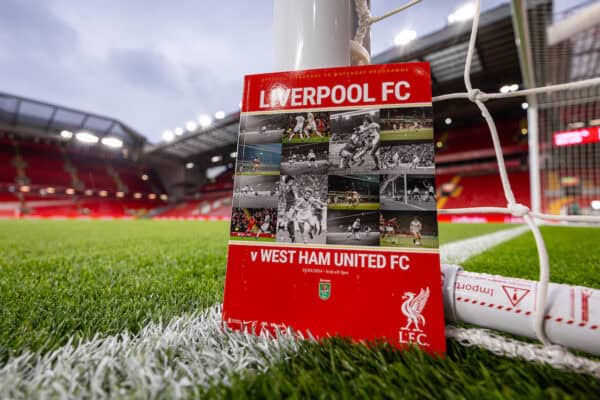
(155, 64)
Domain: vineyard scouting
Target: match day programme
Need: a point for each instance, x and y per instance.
(333, 199)
(323, 145)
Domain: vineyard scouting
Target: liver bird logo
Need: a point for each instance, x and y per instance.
(412, 308)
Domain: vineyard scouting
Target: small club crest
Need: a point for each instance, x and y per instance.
(412, 308)
(324, 289)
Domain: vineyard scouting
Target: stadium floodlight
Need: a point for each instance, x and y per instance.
(463, 13)
(191, 126)
(120, 194)
(448, 121)
(524, 105)
(152, 196)
(164, 197)
(144, 177)
(189, 165)
(25, 189)
(103, 193)
(66, 134)
(216, 158)
(112, 142)
(137, 195)
(595, 205)
(204, 120)
(179, 131)
(70, 191)
(404, 37)
(220, 115)
(88, 192)
(168, 136)
(50, 190)
(233, 154)
(86, 137)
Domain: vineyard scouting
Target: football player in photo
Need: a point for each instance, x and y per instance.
(415, 230)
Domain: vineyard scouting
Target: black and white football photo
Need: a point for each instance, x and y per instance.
(353, 228)
(305, 158)
(259, 129)
(407, 192)
(256, 191)
(407, 157)
(302, 212)
(355, 142)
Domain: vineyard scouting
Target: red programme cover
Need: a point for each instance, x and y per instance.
(334, 225)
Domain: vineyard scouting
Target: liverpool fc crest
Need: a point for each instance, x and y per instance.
(324, 289)
(412, 308)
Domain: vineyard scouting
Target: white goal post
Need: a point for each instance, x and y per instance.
(294, 52)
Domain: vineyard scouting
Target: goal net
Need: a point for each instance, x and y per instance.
(559, 54)
(565, 47)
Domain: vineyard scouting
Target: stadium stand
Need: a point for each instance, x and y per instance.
(208, 206)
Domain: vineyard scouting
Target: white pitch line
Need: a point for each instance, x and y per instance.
(172, 361)
(460, 251)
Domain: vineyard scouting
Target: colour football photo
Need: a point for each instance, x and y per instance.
(412, 229)
(406, 123)
(253, 224)
(306, 127)
(302, 212)
(258, 159)
(353, 192)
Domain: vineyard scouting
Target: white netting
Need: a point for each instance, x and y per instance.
(552, 94)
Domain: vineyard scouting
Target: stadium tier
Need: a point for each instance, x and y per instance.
(209, 206)
(45, 179)
(474, 142)
(485, 190)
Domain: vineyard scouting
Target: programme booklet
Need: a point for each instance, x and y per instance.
(334, 225)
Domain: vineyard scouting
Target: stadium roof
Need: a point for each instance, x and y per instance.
(220, 134)
(37, 118)
(495, 62)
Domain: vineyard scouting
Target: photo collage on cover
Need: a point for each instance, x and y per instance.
(363, 177)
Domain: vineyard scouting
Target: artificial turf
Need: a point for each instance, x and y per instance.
(62, 279)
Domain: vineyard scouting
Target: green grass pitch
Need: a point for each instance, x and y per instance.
(312, 139)
(406, 241)
(361, 206)
(61, 279)
(409, 134)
